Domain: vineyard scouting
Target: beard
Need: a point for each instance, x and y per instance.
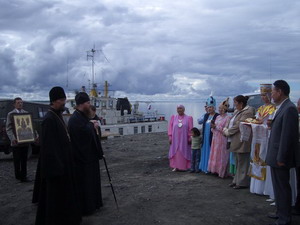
(62, 108)
(87, 112)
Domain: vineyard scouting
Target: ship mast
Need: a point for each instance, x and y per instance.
(91, 55)
(106, 85)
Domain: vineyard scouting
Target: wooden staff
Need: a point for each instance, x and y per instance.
(109, 178)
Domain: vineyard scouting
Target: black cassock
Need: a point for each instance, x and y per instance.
(58, 194)
(37, 183)
(88, 150)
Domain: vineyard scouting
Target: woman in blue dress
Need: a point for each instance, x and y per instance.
(209, 118)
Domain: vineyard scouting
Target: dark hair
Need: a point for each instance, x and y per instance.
(196, 131)
(16, 99)
(241, 99)
(93, 108)
(283, 86)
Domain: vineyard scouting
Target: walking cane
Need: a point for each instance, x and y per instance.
(110, 182)
(109, 178)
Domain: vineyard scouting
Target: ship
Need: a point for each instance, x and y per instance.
(117, 115)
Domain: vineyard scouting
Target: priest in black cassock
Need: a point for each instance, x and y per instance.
(58, 194)
(88, 150)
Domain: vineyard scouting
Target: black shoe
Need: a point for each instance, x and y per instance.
(273, 216)
(192, 171)
(232, 185)
(239, 187)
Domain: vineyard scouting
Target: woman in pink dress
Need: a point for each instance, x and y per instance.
(219, 155)
(180, 140)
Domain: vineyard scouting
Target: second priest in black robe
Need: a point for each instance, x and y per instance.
(88, 150)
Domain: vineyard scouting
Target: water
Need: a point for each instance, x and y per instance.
(194, 109)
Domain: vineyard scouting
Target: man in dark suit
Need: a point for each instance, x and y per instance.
(283, 150)
(296, 210)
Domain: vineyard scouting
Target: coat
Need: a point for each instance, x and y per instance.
(235, 134)
(88, 150)
(283, 141)
(206, 116)
(58, 194)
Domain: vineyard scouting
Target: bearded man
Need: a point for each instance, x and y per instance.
(87, 150)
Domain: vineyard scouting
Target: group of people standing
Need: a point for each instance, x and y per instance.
(257, 148)
(67, 184)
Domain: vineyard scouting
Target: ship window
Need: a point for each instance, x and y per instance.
(111, 103)
(42, 112)
(121, 131)
(103, 104)
(143, 129)
(150, 128)
(107, 130)
(97, 103)
(135, 130)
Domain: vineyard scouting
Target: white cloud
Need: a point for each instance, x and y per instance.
(155, 48)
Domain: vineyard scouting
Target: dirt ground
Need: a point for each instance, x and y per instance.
(148, 192)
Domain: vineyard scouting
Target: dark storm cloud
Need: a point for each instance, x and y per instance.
(164, 47)
(7, 67)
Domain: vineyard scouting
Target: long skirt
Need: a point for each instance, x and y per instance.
(179, 162)
(218, 161)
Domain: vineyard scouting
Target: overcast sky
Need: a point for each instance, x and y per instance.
(156, 49)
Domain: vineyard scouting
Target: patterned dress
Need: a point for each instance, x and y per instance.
(259, 172)
(219, 155)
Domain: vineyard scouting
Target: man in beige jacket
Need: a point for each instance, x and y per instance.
(20, 151)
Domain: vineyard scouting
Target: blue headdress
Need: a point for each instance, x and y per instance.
(211, 102)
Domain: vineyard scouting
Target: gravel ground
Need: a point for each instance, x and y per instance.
(148, 192)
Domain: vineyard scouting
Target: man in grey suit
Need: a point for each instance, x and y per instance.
(283, 150)
(20, 151)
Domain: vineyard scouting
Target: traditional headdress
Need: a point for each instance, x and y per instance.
(266, 89)
(211, 101)
(180, 106)
(225, 104)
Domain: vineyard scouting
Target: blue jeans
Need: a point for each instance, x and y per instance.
(195, 160)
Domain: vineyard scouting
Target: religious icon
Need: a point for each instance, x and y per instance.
(23, 128)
